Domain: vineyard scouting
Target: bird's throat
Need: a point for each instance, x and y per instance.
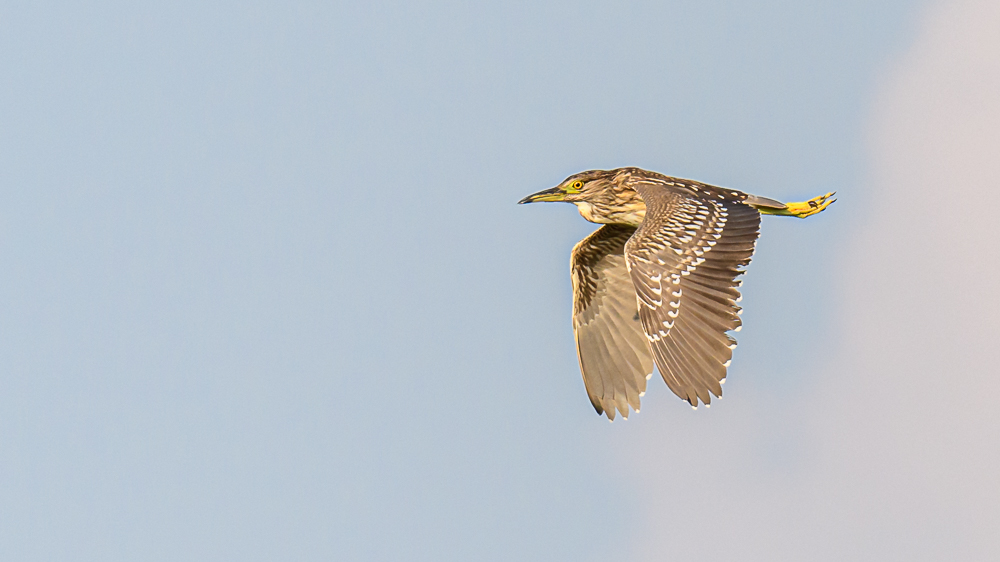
(631, 215)
(586, 210)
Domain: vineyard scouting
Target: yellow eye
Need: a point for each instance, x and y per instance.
(577, 185)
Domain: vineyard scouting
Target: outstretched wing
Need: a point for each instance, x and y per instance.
(614, 355)
(683, 261)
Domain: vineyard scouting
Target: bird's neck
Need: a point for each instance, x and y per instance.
(631, 215)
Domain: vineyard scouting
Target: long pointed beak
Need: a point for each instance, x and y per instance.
(554, 194)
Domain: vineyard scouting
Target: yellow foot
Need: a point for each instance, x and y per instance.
(803, 209)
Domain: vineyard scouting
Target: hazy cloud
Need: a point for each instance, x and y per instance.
(896, 454)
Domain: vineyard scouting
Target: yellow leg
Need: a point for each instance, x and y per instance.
(803, 209)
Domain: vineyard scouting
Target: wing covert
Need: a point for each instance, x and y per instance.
(683, 261)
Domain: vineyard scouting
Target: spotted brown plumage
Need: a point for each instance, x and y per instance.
(683, 262)
(658, 283)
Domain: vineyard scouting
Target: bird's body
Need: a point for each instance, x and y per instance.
(657, 283)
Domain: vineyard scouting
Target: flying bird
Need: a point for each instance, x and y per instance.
(657, 283)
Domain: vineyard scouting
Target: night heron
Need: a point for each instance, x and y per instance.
(658, 282)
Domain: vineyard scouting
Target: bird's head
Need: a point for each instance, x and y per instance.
(600, 195)
(578, 187)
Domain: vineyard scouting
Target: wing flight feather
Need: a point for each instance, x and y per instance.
(683, 261)
(612, 348)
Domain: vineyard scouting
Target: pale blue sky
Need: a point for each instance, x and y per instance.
(268, 294)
